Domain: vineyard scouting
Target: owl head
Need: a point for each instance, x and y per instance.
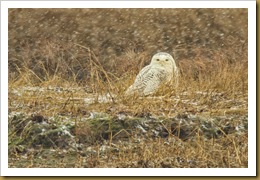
(163, 59)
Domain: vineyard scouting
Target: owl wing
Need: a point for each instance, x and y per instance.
(148, 80)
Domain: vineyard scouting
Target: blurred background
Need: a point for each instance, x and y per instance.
(57, 42)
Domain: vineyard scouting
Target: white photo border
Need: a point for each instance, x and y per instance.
(250, 171)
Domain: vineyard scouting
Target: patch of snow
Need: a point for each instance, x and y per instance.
(141, 128)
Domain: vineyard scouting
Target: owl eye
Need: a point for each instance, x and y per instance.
(157, 59)
(166, 59)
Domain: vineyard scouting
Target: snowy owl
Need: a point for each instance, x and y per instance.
(161, 70)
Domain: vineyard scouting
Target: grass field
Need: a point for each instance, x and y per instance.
(69, 69)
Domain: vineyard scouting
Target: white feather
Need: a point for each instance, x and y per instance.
(161, 70)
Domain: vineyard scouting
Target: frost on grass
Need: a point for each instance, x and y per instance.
(101, 134)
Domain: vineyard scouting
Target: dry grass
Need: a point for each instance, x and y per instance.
(201, 79)
(213, 81)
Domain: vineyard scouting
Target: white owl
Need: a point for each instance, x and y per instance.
(161, 70)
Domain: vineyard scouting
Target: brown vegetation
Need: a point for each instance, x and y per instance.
(89, 53)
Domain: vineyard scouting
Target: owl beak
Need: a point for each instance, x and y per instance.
(162, 62)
